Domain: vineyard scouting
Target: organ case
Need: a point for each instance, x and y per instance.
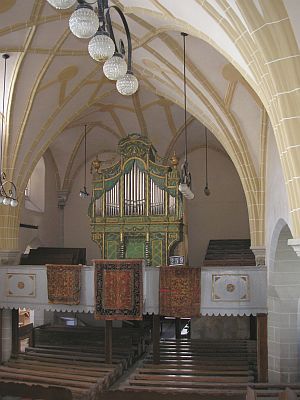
(136, 208)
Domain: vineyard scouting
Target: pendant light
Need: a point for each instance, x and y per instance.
(83, 193)
(85, 23)
(8, 190)
(185, 179)
(206, 189)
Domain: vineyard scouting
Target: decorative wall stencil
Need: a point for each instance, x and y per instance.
(63, 283)
(179, 289)
(20, 285)
(118, 289)
(229, 287)
(5, 5)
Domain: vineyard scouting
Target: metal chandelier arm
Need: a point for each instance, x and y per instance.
(12, 192)
(128, 35)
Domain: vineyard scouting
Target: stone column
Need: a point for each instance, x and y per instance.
(284, 313)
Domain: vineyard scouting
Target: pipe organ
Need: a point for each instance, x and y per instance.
(136, 209)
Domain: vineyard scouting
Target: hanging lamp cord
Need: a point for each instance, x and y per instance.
(85, 157)
(184, 91)
(5, 56)
(206, 163)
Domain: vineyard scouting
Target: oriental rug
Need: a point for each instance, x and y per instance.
(63, 283)
(179, 291)
(118, 289)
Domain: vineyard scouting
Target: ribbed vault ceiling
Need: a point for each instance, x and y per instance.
(55, 88)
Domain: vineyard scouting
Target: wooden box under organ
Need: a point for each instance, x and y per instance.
(136, 209)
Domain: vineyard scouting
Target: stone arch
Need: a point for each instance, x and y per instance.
(283, 314)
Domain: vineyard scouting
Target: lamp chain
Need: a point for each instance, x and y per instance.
(5, 56)
(85, 156)
(184, 91)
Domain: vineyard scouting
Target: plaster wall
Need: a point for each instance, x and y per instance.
(76, 221)
(218, 328)
(47, 221)
(223, 214)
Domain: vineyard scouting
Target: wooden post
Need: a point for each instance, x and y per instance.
(253, 327)
(262, 347)
(108, 342)
(156, 339)
(15, 331)
(177, 328)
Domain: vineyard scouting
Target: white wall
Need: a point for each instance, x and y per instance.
(77, 222)
(47, 233)
(223, 214)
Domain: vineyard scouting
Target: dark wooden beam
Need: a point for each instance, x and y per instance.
(28, 226)
(177, 328)
(156, 339)
(262, 347)
(253, 327)
(15, 331)
(108, 342)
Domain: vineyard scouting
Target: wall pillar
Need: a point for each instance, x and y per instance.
(284, 312)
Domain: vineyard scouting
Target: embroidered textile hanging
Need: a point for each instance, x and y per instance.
(118, 289)
(179, 289)
(63, 283)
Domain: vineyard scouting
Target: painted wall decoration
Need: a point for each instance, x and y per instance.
(230, 287)
(20, 285)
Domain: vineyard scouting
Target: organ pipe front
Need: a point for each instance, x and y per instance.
(136, 209)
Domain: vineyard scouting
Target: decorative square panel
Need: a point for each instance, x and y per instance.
(230, 287)
(20, 285)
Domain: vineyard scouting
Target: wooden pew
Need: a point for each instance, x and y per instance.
(35, 391)
(288, 394)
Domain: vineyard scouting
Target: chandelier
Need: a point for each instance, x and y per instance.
(8, 190)
(186, 178)
(85, 23)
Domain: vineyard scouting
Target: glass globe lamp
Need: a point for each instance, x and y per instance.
(6, 201)
(14, 202)
(61, 4)
(101, 46)
(84, 23)
(83, 194)
(115, 67)
(127, 85)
